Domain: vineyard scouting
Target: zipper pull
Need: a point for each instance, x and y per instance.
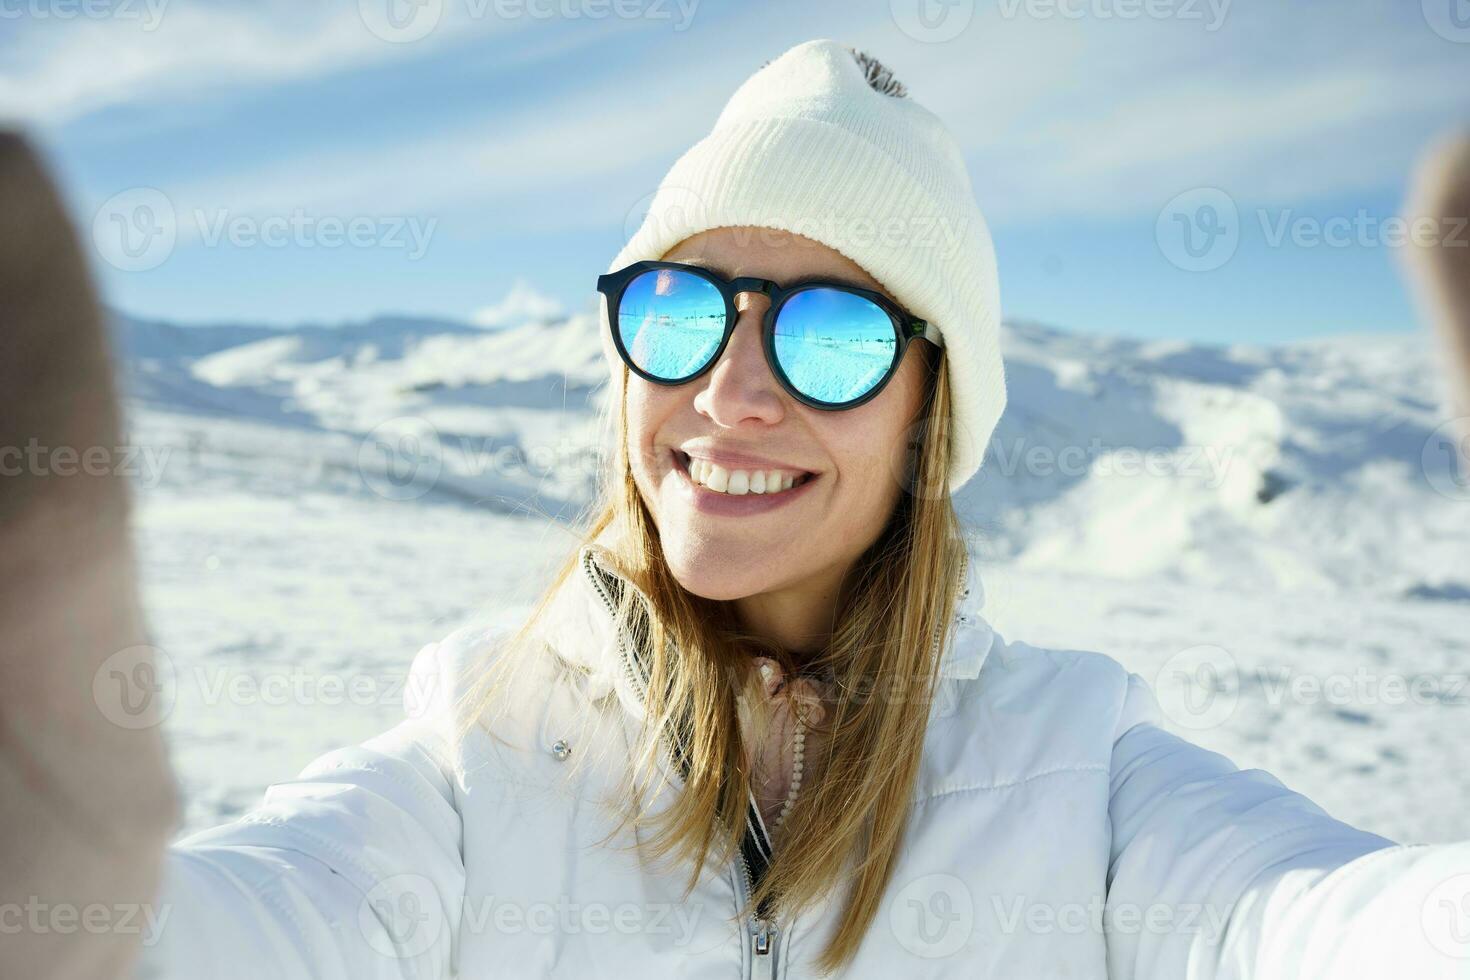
(763, 948)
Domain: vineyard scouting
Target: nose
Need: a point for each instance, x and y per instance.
(740, 387)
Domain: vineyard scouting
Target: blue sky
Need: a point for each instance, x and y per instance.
(321, 162)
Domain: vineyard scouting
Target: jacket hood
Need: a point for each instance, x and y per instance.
(579, 626)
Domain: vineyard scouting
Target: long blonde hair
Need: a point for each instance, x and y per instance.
(893, 621)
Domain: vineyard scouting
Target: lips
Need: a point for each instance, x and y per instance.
(731, 458)
(693, 471)
(735, 477)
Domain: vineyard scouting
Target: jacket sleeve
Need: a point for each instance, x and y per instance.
(1217, 872)
(351, 871)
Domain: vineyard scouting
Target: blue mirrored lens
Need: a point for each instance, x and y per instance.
(834, 346)
(671, 322)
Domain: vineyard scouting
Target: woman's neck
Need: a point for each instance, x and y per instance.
(797, 619)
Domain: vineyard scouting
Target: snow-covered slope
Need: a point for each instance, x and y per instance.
(316, 505)
(1311, 465)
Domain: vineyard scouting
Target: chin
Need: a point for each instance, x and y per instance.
(716, 574)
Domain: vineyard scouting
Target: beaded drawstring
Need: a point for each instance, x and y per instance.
(798, 763)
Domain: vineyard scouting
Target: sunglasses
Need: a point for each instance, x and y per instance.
(829, 344)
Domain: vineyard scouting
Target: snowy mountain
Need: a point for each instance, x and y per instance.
(1310, 465)
(1254, 530)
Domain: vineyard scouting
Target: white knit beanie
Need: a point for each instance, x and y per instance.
(824, 142)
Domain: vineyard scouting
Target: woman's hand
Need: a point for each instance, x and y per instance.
(86, 798)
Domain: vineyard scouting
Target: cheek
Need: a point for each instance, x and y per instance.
(871, 444)
(869, 455)
(647, 408)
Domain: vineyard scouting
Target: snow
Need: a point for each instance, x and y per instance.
(1272, 536)
(521, 303)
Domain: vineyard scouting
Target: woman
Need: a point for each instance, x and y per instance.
(757, 726)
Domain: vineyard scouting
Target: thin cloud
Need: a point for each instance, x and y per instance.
(165, 51)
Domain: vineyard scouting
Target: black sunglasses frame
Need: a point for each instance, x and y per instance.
(906, 326)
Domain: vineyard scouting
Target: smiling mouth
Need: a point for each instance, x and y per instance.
(740, 482)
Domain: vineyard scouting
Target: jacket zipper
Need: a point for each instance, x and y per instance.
(763, 935)
(763, 931)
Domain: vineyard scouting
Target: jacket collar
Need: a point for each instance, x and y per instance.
(580, 626)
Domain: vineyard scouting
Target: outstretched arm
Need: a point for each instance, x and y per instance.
(1440, 266)
(1218, 873)
(1245, 878)
(86, 804)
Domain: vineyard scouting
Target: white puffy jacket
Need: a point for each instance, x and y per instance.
(1058, 831)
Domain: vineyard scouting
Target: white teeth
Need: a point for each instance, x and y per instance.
(739, 482)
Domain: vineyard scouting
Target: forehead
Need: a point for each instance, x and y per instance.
(769, 253)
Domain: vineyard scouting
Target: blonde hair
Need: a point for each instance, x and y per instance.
(893, 621)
